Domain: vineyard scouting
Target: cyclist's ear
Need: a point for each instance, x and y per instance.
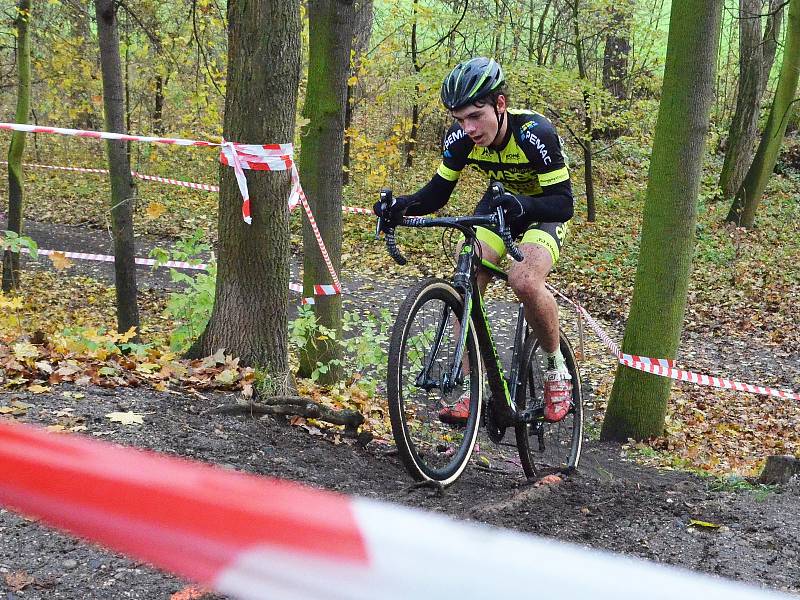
(502, 103)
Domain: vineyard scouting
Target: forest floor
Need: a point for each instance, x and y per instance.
(616, 501)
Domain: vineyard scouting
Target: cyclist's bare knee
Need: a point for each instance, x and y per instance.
(528, 276)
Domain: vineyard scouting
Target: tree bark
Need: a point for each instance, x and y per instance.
(616, 51)
(586, 143)
(331, 24)
(361, 36)
(249, 318)
(748, 197)
(411, 144)
(638, 401)
(755, 62)
(123, 190)
(11, 269)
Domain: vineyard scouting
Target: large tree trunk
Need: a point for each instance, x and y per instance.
(15, 151)
(743, 208)
(331, 25)
(638, 401)
(249, 319)
(755, 62)
(123, 190)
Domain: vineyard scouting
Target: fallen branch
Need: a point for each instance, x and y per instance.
(291, 406)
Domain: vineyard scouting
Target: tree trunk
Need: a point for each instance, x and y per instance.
(411, 144)
(537, 49)
(755, 62)
(158, 106)
(743, 208)
(331, 24)
(638, 401)
(586, 143)
(123, 190)
(361, 35)
(249, 318)
(616, 51)
(17, 147)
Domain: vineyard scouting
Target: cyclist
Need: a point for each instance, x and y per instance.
(521, 150)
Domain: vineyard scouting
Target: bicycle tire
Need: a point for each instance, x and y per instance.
(428, 448)
(545, 447)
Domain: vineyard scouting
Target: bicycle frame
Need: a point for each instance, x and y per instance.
(465, 280)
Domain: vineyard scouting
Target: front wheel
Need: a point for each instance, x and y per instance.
(422, 381)
(545, 447)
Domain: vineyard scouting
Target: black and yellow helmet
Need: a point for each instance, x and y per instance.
(470, 81)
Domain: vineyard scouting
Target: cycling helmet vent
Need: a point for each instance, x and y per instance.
(470, 81)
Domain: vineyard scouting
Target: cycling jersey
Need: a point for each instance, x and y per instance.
(530, 158)
(530, 163)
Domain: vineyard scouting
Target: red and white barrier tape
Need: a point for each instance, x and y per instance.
(188, 184)
(266, 157)
(667, 368)
(256, 537)
(319, 290)
(262, 157)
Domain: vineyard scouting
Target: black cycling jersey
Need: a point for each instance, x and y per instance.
(530, 163)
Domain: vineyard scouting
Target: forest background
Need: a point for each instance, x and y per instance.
(593, 67)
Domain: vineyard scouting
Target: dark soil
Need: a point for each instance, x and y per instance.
(610, 503)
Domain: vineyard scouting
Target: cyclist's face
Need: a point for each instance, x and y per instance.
(480, 122)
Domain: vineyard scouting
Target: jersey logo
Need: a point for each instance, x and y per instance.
(448, 154)
(539, 145)
(453, 137)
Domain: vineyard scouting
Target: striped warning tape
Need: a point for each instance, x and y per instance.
(319, 290)
(254, 538)
(188, 184)
(667, 367)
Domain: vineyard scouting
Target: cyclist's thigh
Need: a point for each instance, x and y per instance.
(541, 246)
(550, 236)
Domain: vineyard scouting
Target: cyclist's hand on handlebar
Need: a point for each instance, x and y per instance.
(395, 209)
(512, 207)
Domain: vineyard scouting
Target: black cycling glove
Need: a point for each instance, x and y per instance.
(396, 208)
(512, 206)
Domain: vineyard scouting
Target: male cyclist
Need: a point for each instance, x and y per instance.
(521, 150)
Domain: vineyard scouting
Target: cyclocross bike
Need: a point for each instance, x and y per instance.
(434, 359)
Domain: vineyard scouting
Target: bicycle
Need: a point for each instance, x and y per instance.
(426, 369)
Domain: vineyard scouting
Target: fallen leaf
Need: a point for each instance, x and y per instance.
(190, 592)
(705, 524)
(60, 261)
(18, 580)
(155, 210)
(25, 350)
(126, 418)
(39, 389)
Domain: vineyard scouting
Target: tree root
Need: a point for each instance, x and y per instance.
(294, 406)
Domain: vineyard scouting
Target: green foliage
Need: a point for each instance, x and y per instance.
(192, 307)
(736, 483)
(363, 344)
(10, 240)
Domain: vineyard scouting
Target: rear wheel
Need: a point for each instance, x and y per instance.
(420, 383)
(544, 447)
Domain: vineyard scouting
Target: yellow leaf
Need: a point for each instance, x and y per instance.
(25, 350)
(39, 389)
(227, 377)
(352, 81)
(60, 261)
(127, 336)
(155, 210)
(126, 418)
(696, 523)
